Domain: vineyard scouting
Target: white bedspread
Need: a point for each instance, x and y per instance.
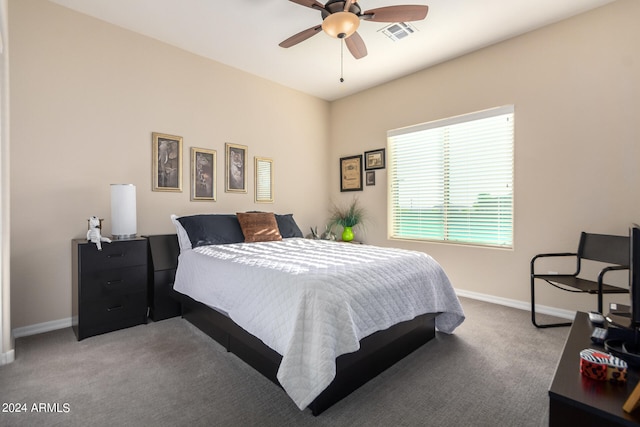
(313, 300)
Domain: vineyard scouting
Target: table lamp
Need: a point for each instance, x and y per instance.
(123, 211)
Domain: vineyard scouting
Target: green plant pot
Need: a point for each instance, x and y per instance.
(347, 234)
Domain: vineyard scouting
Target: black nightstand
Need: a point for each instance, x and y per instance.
(164, 302)
(109, 286)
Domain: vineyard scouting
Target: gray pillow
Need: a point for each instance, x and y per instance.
(212, 229)
(288, 226)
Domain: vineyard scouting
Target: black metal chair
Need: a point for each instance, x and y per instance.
(613, 250)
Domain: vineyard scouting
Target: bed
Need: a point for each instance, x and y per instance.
(318, 318)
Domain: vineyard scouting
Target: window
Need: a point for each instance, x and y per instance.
(451, 180)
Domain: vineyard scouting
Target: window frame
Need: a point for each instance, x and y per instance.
(446, 234)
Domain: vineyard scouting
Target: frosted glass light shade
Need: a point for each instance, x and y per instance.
(341, 24)
(123, 211)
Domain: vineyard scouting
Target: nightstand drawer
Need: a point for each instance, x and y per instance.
(114, 312)
(118, 254)
(114, 282)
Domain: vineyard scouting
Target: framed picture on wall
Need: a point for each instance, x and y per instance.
(371, 178)
(374, 159)
(203, 174)
(236, 168)
(351, 173)
(166, 162)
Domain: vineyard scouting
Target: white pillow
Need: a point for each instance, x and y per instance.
(183, 238)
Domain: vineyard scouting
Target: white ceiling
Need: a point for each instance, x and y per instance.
(245, 34)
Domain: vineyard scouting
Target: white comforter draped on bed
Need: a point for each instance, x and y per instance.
(313, 300)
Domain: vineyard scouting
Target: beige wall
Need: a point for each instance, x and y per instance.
(576, 90)
(85, 98)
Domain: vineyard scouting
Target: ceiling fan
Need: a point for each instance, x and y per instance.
(341, 19)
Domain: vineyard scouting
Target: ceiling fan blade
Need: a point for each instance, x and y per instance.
(404, 13)
(356, 46)
(313, 4)
(301, 36)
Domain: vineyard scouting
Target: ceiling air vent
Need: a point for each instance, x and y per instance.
(398, 31)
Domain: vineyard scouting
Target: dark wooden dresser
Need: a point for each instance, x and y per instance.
(109, 289)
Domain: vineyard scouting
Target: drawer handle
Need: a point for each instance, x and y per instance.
(114, 282)
(117, 307)
(120, 255)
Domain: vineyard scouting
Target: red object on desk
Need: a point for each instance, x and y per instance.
(602, 366)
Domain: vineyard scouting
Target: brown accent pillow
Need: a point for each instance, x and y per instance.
(259, 226)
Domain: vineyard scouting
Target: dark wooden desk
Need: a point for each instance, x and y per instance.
(580, 401)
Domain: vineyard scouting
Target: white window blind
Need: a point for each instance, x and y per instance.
(264, 178)
(263, 189)
(452, 180)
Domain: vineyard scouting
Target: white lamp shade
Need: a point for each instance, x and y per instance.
(123, 211)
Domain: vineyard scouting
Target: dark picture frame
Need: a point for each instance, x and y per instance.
(370, 178)
(203, 174)
(374, 159)
(166, 162)
(236, 168)
(351, 173)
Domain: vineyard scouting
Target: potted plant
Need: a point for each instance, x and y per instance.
(347, 217)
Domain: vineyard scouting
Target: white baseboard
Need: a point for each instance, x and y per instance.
(8, 357)
(522, 305)
(40, 328)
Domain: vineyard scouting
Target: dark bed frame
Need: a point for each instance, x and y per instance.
(377, 352)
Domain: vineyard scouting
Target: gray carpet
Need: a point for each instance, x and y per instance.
(494, 371)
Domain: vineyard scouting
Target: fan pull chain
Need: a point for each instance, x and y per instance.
(341, 60)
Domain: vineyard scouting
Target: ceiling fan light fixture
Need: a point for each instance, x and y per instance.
(341, 25)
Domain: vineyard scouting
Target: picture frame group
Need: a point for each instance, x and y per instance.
(167, 170)
(351, 169)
